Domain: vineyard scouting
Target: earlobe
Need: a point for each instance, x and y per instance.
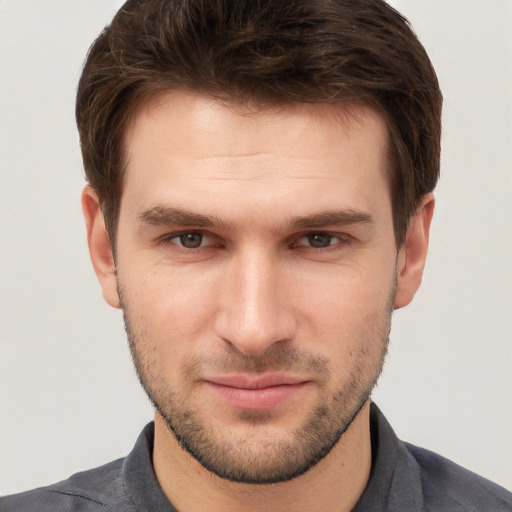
(413, 254)
(100, 248)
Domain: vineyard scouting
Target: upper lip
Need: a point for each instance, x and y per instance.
(255, 382)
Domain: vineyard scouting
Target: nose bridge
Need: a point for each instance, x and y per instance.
(255, 313)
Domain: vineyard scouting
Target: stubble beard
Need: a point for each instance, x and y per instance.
(270, 461)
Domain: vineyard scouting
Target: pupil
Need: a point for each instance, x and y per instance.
(191, 240)
(320, 240)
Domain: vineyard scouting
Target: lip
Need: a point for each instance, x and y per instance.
(256, 393)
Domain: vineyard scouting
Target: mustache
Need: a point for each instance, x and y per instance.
(277, 358)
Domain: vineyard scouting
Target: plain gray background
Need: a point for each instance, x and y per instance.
(69, 399)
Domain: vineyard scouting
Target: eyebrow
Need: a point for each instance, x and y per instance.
(332, 218)
(163, 215)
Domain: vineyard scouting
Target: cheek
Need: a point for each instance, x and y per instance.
(346, 313)
(343, 295)
(171, 308)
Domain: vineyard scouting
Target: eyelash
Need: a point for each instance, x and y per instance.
(168, 240)
(343, 240)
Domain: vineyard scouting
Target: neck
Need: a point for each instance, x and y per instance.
(334, 484)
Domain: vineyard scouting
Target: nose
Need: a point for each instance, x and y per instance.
(255, 311)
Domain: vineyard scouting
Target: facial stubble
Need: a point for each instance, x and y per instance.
(270, 460)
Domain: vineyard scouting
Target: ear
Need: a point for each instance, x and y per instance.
(413, 253)
(100, 248)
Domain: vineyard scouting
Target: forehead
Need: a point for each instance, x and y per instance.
(185, 143)
(213, 120)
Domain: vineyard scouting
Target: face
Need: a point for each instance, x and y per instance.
(256, 268)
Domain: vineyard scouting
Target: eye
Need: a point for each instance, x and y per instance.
(319, 240)
(189, 240)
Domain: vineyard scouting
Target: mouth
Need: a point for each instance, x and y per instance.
(256, 393)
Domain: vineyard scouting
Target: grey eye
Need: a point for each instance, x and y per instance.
(191, 240)
(319, 240)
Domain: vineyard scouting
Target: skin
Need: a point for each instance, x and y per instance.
(295, 274)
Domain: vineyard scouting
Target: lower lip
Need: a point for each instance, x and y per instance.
(256, 399)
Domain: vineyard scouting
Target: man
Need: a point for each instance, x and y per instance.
(259, 201)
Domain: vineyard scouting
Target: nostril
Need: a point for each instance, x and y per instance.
(254, 332)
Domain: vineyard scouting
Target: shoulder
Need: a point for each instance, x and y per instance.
(93, 490)
(449, 487)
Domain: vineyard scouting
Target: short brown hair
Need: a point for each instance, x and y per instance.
(263, 52)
